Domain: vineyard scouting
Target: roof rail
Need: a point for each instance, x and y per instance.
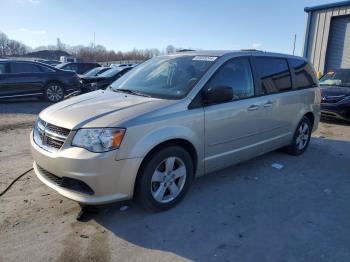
(184, 50)
(251, 50)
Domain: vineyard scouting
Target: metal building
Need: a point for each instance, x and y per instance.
(327, 36)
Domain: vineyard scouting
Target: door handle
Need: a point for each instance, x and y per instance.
(268, 104)
(253, 107)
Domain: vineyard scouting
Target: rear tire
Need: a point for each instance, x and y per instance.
(301, 138)
(165, 178)
(54, 92)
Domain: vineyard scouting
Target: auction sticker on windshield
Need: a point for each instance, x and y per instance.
(205, 58)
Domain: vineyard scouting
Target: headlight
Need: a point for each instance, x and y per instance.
(99, 139)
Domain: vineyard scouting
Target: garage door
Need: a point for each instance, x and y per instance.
(338, 50)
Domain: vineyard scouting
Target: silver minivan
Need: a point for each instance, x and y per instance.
(171, 119)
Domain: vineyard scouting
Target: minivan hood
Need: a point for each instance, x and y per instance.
(102, 108)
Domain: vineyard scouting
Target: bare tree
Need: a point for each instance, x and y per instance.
(60, 45)
(3, 42)
(170, 49)
(11, 47)
(84, 53)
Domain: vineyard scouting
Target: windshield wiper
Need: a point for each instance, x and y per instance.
(128, 91)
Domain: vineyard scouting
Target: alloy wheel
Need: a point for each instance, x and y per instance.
(168, 179)
(303, 136)
(54, 93)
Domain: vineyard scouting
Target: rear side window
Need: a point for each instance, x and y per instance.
(17, 68)
(304, 76)
(236, 74)
(274, 74)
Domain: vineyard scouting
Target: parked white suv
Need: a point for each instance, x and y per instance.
(171, 119)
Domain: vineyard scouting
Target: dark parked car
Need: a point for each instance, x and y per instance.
(78, 67)
(95, 71)
(103, 80)
(335, 92)
(33, 79)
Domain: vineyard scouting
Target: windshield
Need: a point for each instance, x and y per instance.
(169, 77)
(340, 77)
(111, 72)
(96, 71)
(61, 65)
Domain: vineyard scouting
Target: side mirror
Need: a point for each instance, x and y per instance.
(217, 94)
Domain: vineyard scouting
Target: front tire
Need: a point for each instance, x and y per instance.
(301, 138)
(165, 178)
(54, 92)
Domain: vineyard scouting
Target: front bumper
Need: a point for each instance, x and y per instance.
(73, 86)
(341, 112)
(110, 180)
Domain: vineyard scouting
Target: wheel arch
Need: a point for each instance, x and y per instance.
(181, 142)
(310, 113)
(311, 117)
(54, 81)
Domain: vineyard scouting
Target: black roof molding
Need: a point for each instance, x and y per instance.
(326, 6)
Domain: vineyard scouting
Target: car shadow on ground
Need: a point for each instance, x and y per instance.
(252, 211)
(31, 106)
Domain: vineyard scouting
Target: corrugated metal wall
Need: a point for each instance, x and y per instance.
(338, 49)
(317, 33)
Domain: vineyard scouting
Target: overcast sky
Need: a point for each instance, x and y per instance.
(124, 25)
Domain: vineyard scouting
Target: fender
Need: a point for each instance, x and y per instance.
(153, 138)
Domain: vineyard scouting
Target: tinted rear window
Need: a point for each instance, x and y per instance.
(304, 76)
(274, 74)
(24, 68)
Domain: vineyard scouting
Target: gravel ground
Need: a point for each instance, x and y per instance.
(249, 212)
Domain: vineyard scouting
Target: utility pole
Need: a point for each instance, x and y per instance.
(94, 48)
(295, 39)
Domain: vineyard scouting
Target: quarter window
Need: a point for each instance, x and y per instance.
(304, 76)
(236, 74)
(17, 68)
(274, 74)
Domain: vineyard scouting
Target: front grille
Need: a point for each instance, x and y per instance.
(66, 182)
(48, 136)
(54, 143)
(58, 130)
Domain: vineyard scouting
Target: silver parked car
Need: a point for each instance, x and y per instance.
(171, 119)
